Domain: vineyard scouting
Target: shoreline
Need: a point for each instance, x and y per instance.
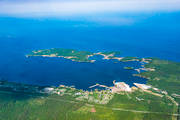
(106, 56)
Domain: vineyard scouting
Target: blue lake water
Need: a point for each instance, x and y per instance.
(156, 35)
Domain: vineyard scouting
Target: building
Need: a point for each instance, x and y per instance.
(121, 86)
(48, 90)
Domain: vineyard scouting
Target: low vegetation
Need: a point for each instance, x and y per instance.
(24, 105)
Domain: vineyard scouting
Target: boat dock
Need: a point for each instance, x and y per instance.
(98, 86)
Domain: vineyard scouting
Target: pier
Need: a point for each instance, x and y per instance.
(98, 85)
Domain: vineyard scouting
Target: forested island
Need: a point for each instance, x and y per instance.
(74, 55)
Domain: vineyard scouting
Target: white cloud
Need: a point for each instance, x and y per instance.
(79, 7)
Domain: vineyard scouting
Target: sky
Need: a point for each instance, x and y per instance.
(51, 8)
(104, 12)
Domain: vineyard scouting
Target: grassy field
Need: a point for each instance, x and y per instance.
(23, 106)
(166, 77)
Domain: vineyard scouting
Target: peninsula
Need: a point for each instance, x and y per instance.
(74, 55)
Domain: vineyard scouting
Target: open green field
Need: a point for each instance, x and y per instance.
(32, 106)
(166, 77)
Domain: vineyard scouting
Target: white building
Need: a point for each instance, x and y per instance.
(48, 89)
(123, 86)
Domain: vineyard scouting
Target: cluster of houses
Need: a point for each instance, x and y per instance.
(96, 96)
(118, 87)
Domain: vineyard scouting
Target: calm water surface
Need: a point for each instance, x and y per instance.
(157, 36)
